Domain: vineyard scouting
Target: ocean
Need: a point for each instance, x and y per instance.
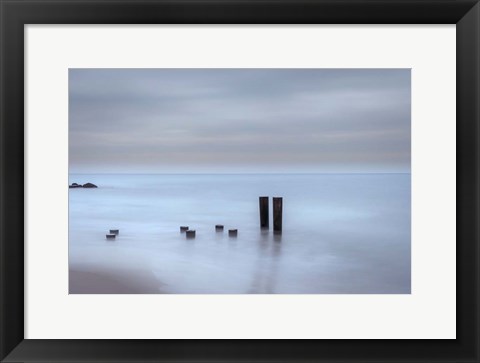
(342, 234)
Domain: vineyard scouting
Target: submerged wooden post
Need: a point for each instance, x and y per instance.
(190, 233)
(183, 228)
(232, 232)
(110, 236)
(114, 231)
(263, 202)
(277, 215)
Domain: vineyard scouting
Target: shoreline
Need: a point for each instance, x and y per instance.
(95, 281)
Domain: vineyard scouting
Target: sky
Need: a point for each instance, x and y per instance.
(239, 120)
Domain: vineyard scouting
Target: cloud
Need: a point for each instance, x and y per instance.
(322, 119)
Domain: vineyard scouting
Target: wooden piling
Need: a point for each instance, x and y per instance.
(183, 228)
(114, 231)
(190, 233)
(219, 228)
(110, 236)
(263, 203)
(277, 215)
(232, 232)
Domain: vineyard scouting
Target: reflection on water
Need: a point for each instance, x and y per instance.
(341, 234)
(265, 271)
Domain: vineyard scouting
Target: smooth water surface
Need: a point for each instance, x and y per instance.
(342, 234)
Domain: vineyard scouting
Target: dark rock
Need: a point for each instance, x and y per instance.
(89, 185)
(75, 185)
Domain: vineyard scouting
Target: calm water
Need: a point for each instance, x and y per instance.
(342, 233)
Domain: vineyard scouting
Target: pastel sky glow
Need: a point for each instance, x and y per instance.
(239, 120)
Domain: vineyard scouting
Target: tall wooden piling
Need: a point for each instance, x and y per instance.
(277, 215)
(263, 202)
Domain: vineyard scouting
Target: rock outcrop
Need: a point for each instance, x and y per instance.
(87, 185)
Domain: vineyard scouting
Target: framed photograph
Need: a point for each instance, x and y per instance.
(210, 144)
(239, 181)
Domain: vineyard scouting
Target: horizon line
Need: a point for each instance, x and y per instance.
(248, 173)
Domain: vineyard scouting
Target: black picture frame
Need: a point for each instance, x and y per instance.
(15, 14)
